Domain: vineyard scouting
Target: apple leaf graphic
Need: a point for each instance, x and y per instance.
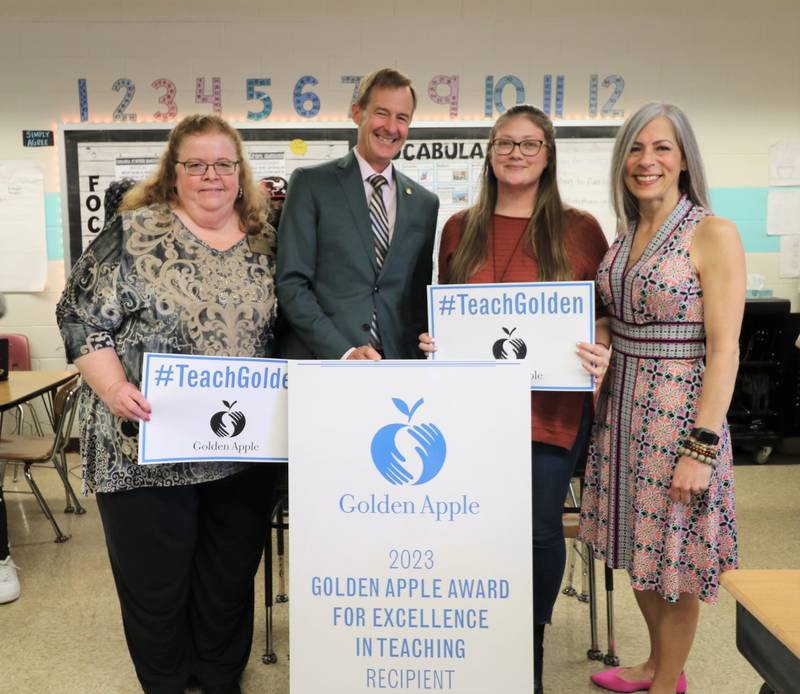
(414, 409)
(401, 405)
(225, 402)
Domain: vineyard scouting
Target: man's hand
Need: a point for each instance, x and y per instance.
(365, 352)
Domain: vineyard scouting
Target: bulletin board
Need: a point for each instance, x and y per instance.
(95, 155)
(445, 158)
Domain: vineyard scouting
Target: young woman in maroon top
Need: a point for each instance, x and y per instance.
(520, 231)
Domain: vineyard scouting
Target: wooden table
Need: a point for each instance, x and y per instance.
(23, 386)
(768, 624)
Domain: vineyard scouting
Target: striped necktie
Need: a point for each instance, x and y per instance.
(379, 221)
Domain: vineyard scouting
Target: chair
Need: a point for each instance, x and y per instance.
(277, 522)
(572, 508)
(19, 359)
(31, 450)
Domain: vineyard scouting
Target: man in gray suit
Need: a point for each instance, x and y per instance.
(356, 239)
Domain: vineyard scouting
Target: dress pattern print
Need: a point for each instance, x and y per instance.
(148, 284)
(647, 407)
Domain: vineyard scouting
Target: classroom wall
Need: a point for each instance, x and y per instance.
(732, 65)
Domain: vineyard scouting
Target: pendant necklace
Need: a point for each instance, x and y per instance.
(497, 280)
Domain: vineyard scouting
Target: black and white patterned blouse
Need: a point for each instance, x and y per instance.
(148, 284)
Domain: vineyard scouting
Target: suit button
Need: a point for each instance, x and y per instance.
(365, 327)
(376, 289)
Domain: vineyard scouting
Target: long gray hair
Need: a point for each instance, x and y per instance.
(691, 182)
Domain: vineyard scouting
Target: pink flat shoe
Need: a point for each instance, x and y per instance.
(611, 680)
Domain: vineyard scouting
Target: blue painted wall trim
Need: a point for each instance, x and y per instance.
(747, 208)
(53, 226)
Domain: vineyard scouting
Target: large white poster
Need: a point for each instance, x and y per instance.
(538, 323)
(214, 408)
(23, 244)
(411, 527)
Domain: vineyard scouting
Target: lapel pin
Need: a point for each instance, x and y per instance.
(408, 191)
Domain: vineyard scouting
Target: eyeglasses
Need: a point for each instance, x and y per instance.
(223, 167)
(529, 148)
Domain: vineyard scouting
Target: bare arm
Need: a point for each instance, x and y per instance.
(105, 375)
(718, 258)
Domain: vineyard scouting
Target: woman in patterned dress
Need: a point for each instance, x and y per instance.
(519, 231)
(187, 267)
(673, 284)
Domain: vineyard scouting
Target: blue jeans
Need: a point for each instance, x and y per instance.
(552, 469)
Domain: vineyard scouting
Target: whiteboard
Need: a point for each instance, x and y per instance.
(23, 240)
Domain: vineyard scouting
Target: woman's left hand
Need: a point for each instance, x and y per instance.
(690, 478)
(594, 358)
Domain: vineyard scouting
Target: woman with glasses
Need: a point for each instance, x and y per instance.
(187, 267)
(520, 231)
(659, 498)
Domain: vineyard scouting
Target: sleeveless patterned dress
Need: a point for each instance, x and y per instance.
(646, 408)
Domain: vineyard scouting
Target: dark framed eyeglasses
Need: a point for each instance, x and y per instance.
(529, 148)
(223, 167)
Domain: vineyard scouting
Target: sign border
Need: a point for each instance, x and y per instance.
(591, 313)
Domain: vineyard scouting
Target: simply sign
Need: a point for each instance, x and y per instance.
(37, 138)
(411, 527)
(213, 408)
(538, 323)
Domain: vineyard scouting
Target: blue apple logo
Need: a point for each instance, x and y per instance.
(424, 440)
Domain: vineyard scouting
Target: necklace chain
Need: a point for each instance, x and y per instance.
(492, 232)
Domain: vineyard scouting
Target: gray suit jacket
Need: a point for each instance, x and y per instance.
(328, 283)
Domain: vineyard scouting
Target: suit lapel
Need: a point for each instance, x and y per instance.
(350, 180)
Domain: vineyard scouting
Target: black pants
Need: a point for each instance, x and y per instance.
(552, 470)
(4, 551)
(184, 559)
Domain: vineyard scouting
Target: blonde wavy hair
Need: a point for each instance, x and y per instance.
(251, 205)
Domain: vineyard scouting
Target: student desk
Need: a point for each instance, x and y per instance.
(23, 386)
(768, 624)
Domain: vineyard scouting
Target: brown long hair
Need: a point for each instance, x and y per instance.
(160, 187)
(545, 231)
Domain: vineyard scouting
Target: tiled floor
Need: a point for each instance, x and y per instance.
(64, 634)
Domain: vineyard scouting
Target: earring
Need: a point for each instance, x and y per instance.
(240, 194)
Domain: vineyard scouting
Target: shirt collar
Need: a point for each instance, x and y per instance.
(367, 170)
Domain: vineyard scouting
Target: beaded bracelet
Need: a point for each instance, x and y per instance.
(707, 460)
(703, 448)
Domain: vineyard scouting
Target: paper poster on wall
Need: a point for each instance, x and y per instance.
(266, 164)
(137, 168)
(583, 170)
(411, 527)
(783, 211)
(784, 163)
(23, 258)
(790, 256)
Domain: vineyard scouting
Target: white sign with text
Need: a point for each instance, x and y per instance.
(213, 408)
(411, 527)
(538, 323)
